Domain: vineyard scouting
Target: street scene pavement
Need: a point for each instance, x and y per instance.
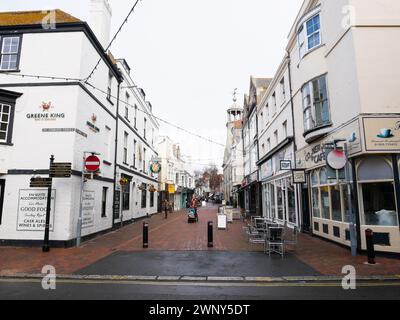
(178, 262)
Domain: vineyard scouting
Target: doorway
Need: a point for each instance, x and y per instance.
(2, 187)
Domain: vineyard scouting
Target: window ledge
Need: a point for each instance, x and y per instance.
(317, 132)
(310, 51)
(109, 100)
(108, 163)
(10, 71)
(6, 144)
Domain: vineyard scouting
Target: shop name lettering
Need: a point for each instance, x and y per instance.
(45, 116)
(316, 155)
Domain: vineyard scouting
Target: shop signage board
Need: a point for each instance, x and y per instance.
(314, 155)
(299, 176)
(88, 201)
(171, 188)
(32, 205)
(285, 165)
(38, 182)
(382, 134)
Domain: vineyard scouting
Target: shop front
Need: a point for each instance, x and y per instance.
(372, 183)
(279, 193)
(252, 192)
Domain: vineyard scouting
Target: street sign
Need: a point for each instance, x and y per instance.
(61, 170)
(336, 159)
(299, 176)
(92, 163)
(40, 182)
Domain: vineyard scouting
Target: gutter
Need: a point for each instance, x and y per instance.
(116, 154)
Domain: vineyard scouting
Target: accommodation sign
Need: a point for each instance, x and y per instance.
(88, 209)
(32, 206)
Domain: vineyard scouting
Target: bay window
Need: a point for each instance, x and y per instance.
(315, 104)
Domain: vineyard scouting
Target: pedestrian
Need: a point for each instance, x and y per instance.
(194, 205)
(166, 208)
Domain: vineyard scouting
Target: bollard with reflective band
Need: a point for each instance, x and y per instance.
(210, 234)
(369, 237)
(145, 235)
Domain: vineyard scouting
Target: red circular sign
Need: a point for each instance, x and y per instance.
(337, 159)
(92, 163)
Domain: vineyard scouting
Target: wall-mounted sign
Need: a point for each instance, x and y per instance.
(92, 124)
(285, 165)
(171, 188)
(32, 205)
(88, 209)
(336, 159)
(382, 134)
(92, 163)
(299, 176)
(65, 130)
(314, 155)
(155, 167)
(46, 114)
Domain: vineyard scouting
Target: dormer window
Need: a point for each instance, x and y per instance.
(9, 54)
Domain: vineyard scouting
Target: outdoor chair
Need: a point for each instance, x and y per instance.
(274, 241)
(255, 236)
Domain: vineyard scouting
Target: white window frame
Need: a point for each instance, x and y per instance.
(303, 37)
(8, 123)
(16, 54)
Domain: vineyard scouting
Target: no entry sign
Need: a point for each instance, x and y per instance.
(92, 163)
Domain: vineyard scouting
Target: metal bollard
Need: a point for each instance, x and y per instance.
(145, 235)
(210, 234)
(369, 236)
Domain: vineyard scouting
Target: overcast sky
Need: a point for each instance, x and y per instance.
(189, 55)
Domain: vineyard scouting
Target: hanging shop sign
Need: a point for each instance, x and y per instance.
(171, 188)
(155, 167)
(32, 205)
(152, 188)
(336, 159)
(382, 134)
(314, 155)
(124, 181)
(299, 176)
(46, 114)
(285, 165)
(88, 202)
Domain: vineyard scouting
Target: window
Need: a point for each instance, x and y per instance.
(276, 137)
(7, 109)
(309, 35)
(134, 153)
(5, 120)
(284, 127)
(291, 201)
(109, 86)
(10, 51)
(266, 114)
(144, 196)
(127, 107)
(126, 193)
(269, 144)
(135, 119)
(151, 199)
(274, 103)
(282, 83)
(315, 104)
(108, 142)
(125, 158)
(104, 202)
(144, 160)
(281, 199)
(144, 128)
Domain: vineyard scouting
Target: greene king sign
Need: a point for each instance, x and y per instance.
(46, 114)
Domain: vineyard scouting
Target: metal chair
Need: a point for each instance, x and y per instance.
(275, 241)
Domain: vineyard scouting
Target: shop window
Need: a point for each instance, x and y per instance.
(126, 196)
(378, 199)
(151, 199)
(316, 226)
(315, 203)
(325, 228)
(291, 201)
(325, 207)
(347, 214)
(382, 239)
(336, 232)
(144, 196)
(336, 203)
(273, 202)
(379, 204)
(281, 200)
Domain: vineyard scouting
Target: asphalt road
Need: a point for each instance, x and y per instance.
(199, 263)
(13, 289)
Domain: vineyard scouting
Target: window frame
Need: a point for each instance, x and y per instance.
(311, 106)
(303, 37)
(104, 196)
(9, 98)
(18, 54)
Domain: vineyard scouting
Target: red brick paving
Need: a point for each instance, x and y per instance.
(175, 233)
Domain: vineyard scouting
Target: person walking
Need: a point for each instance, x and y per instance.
(194, 205)
(166, 208)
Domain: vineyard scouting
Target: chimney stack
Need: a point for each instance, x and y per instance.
(100, 20)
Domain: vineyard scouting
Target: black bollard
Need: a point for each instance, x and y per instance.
(145, 235)
(369, 236)
(210, 234)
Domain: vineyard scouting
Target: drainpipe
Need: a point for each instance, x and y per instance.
(294, 137)
(116, 156)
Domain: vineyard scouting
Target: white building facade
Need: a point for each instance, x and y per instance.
(62, 115)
